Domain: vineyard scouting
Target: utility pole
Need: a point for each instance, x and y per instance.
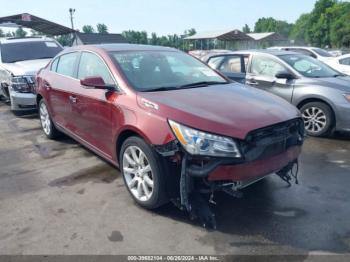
(71, 12)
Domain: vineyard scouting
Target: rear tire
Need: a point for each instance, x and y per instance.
(318, 118)
(46, 121)
(143, 173)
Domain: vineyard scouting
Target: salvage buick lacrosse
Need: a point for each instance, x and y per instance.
(177, 130)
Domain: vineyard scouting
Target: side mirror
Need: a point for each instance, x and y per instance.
(95, 82)
(284, 75)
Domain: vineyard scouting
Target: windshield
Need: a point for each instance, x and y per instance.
(321, 52)
(308, 66)
(164, 70)
(22, 51)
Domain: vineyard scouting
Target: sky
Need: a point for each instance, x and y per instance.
(160, 16)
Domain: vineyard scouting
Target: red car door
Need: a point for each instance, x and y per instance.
(92, 108)
(59, 88)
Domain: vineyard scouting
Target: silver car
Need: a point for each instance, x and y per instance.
(321, 93)
(20, 59)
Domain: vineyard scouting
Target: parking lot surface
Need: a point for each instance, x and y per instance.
(56, 197)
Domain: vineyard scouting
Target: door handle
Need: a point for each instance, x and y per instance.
(73, 99)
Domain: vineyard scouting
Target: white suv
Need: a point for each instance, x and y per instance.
(20, 60)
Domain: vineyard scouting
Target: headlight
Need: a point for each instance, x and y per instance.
(22, 84)
(196, 142)
(347, 97)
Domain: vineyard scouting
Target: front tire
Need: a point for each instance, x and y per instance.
(318, 118)
(46, 121)
(143, 173)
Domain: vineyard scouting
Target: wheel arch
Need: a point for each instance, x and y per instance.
(319, 100)
(38, 99)
(125, 134)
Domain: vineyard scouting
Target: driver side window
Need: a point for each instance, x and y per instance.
(265, 66)
(91, 65)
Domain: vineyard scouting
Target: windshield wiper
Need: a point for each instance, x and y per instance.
(44, 57)
(162, 88)
(203, 83)
(336, 75)
(192, 85)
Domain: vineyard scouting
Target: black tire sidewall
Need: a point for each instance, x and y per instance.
(329, 118)
(158, 197)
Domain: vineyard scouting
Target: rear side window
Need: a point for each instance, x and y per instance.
(92, 65)
(66, 64)
(232, 64)
(214, 62)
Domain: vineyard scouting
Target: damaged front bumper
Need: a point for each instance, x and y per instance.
(265, 151)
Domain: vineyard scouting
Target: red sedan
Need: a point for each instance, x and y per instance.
(174, 127)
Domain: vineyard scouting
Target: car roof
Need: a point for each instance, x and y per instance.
(342, 56)
(275, 52)
(296, 47)
(5, 40)
(120, 47)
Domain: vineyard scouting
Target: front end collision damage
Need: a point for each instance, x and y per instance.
(195, 190)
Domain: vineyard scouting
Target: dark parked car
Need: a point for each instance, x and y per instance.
(321, 93)
(171, 124)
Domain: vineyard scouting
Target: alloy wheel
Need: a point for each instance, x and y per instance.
(315, 119)
(45, 119)
(137, 172)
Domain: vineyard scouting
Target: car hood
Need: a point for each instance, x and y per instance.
(341, 83)
(231, 110)
(29, 67)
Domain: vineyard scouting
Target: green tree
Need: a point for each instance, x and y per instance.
(2, 33)
(339, 14)
(65, 40)
(246, 29)
(88, 29)
(318, 28)
(191, 32)
(299, 31)
(20, 32)
(154, 39)
(102, 29)
(326, 25)
(269, 24)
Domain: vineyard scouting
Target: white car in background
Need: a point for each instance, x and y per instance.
(314, 52)
(20, 60)
(340, 63)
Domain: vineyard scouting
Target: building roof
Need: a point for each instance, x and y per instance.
(270, 35)
(36, 23)
(227, 35)
(93, 38)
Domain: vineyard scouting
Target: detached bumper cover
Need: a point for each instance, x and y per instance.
(255, 169)
(264, 151)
